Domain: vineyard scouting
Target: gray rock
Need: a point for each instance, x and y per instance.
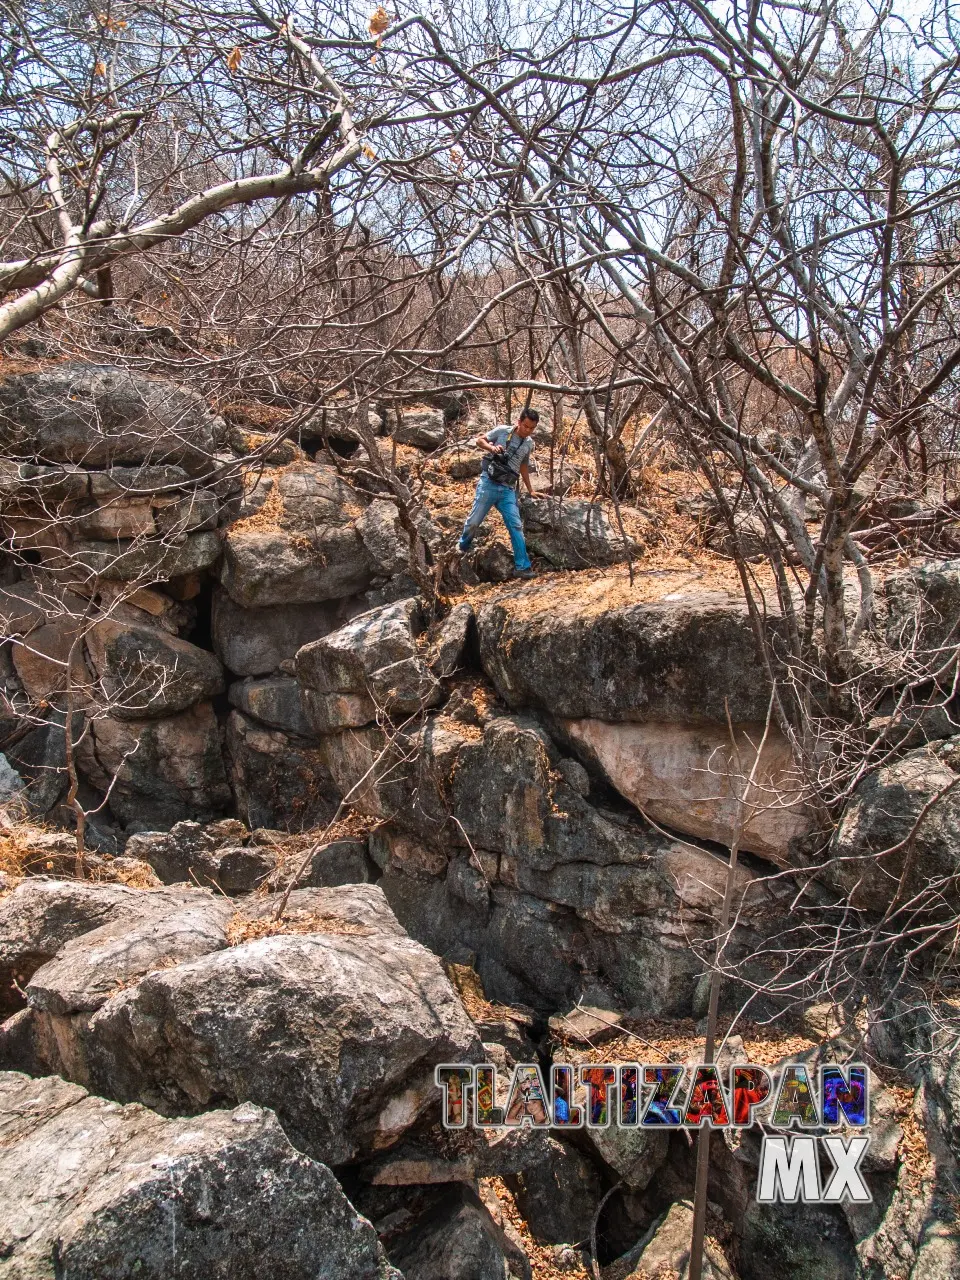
(278, 781)
(39, 757)
(797, 1242)
(558, 1195)
(340, 862)
(572, 533)
(11, 784)
(145, 672)
(174, 854)
(422, 428)
(665, 1250)
(40, 916)
(385, 538)
(449, 645)
(253, 642)
(373, 662)
(565, 893)
(91, 1189)
(634, 1154)
(882, 814)
(297, 541)
(274, 701)
(575, 776)
(923, 606)
(192, 854)
(278, 567)
(165, 770)
(102, 415)
(460, 1241)
(170, 927)
(674, 659)
(144, 559)
(340, 1029)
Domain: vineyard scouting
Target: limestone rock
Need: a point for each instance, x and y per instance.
(40, 916)
(273, 566)
(558, 1194)
(688, 778)
(254, 642)
(170, 927)
(665, 1250)
(673, 659)
(339, 1030)
(278, 780)
(274, 701)
(144, 559)
(449, 645)
(166, 770)
(923, 605)
(882, 814)
(460, 1241)
(573, 534)
(340, 862)
(385, 538)
(103, 415)
(635, 1154)
(146, 673)
(297, 541)
(422, 428)
(91, 1189)
(371, 662)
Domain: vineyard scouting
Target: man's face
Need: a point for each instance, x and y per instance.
(526, 427)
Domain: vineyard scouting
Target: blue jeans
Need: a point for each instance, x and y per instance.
(501, 496)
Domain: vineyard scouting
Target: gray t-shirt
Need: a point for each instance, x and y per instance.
(518, 450)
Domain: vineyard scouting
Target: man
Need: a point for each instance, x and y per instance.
(507, 456)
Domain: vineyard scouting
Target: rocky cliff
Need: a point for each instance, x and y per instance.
(497, 805)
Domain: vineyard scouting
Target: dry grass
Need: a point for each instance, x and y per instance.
(469, 988)
(651, 1040)
(244, 929)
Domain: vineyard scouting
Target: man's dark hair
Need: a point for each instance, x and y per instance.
(532, 414)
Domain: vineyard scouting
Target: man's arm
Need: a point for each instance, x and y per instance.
(487, 445)
(525, 476)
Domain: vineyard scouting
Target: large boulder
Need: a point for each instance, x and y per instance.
(145, 672)
(895, 828)
(143, 560)
(337, 1025)
(488, 847)
(161, 771)
(275, 701)
(297, 540)
(922, 610)
(459, 1240)
(90, 1189)
(679, 656)
(102, 416)
(572, 533)
(40, 916)
(689, 778)
(254, 642)
(278, 780)
(371, 664)
(421, 428)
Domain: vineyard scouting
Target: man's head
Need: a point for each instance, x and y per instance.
(527, 423)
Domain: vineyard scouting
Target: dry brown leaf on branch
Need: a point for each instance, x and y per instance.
(379, 22)
(234, 59)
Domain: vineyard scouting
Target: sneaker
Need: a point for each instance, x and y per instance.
(524, 573)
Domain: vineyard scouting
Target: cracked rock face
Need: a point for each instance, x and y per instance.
(337, 1024)
(90, 1189)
